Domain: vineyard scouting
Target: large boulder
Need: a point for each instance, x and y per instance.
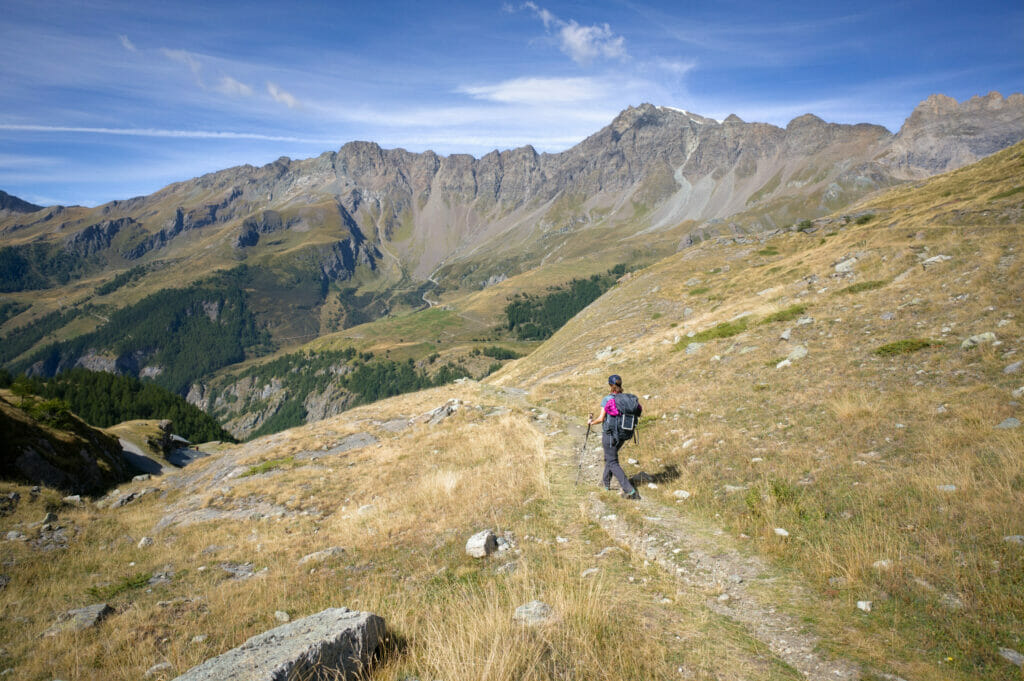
(331, 645)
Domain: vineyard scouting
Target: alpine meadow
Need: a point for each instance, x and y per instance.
(356, 415)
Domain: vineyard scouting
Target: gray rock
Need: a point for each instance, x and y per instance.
(978, 339)
(80, 619)
(946, 488)
(1009, 423)
(533, 613)
(336, 643)
(9, 502)
(888, 316)
(14, 535)
(238, 570)
(1014, 368)
(435, 416)
(693, 347)
(799, 352)
(1018, 392)
(804, 321)
(1014, 539)
(320, 556)
(482, 544)
(864, 605)
(589, 571)
(73, 500)
(145, 541)
(346, 444)
(507, 568)
(845, 266)
(158, 669)
(786, 334)
(1012, 656)
(935, 260)
(282, 616)
(142, 478)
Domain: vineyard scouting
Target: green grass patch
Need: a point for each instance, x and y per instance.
(788, 314)
(865, 219)
(697, 291)
(863, 286)
(104, 593)
(904, 347)
(267, 466)
(771, 250)
(723, 330)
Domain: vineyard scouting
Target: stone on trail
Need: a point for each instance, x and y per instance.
(482, 544)
(533, 613)
(1009, 423)
(336, 643)
(80, 618)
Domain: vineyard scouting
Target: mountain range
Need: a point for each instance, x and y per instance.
(299, 249)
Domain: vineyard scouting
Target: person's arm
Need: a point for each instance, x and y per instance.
(599, 419)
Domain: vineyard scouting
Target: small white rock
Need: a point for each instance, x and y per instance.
(145, 541)
(681, 494)
(1012, 656)
(589, 571)
(864, 605)
(781, 532)
(632, 462)
(282, 616)
(946, 488)
(883, 564)
(722, 598)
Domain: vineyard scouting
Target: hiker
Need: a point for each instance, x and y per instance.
(610, 439)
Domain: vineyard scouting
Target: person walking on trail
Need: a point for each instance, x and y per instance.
(612, 440)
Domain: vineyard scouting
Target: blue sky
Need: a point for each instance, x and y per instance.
(108, 100)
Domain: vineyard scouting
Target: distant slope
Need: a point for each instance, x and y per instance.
(12, 204)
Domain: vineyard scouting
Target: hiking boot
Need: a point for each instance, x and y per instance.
(634, 495)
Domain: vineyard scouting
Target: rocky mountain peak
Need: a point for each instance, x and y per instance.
(9, 202)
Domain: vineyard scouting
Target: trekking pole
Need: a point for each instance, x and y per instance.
(583, 449)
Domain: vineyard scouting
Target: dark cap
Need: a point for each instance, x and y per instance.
(615, 379)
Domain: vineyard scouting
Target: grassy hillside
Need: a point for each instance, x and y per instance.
(882, 453)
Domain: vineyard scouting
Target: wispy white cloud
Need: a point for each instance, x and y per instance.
(282, 96)
(678, 67)
(583, 44)
(230, 86)
(127, 44)
(537, 90)
(158, 132)
(188, 59)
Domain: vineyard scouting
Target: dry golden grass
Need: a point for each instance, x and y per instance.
(849, 451)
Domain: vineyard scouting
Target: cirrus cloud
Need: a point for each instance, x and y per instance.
(536, 90)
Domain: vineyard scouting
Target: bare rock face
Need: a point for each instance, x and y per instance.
(942, 134)
(334, 644)
(482, 544)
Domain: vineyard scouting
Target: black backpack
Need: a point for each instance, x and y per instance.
(624, 426)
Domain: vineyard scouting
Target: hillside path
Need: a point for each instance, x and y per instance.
(703, 559)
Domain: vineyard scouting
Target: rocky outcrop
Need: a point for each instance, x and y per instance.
(335, 644)
(66, 454)
(97, 237)
(943, 134)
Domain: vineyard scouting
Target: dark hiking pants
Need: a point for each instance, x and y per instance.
(611, 463)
